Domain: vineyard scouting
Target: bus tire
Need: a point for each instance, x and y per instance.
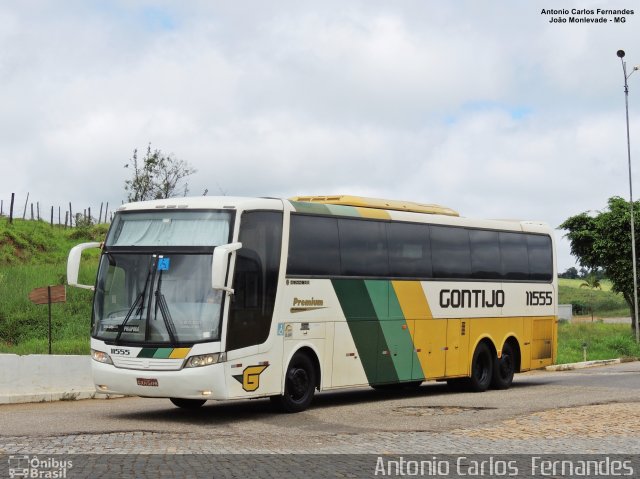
(504, 368)
(299, 385)
(188, 403)
(481, 369)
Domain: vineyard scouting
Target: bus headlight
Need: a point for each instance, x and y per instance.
(205, 360)
(101, 357)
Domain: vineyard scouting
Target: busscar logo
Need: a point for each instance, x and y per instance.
(302, 305)
(250, 377)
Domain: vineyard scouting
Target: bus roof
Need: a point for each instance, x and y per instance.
(377, 203)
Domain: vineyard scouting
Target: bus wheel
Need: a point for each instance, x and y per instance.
(188, 403)
(504, 368)
(481, 369)
(299, 385)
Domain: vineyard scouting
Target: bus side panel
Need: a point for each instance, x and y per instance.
(525, 345)
(348, 366)
(430, 339)
(457, 351)
(542, 341)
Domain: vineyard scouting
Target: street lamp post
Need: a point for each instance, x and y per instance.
(633, 235)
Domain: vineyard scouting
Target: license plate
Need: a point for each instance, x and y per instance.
(147, 382)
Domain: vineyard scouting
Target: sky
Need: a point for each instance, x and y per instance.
(486, 107)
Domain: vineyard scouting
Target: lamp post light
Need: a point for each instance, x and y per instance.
(633, 235)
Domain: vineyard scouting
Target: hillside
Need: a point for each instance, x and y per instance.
(33, 254)
(605, 303)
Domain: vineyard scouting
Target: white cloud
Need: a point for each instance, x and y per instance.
(486, 108)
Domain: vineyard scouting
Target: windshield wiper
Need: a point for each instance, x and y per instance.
(161, 303)
(138, 303)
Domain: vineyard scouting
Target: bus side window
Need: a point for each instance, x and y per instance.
(255, 279)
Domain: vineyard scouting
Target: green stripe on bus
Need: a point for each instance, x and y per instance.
(378, 291)
(163, 353)
(399, 337)
(147, 352)
(365, 328)
(315, 208)
(340, 210)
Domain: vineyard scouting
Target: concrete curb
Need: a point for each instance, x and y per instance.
(71, 395)
(588, 364)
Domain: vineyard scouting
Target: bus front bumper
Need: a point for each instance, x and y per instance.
(206, 382)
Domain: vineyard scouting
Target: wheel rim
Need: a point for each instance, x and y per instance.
(298, 384)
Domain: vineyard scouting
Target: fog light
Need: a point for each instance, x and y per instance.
(103, 387)
(205, 393)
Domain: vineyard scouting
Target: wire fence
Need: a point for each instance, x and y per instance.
(69, 217)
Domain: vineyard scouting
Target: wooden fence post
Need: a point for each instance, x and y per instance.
(13, 195)
(31, 211)
(24, 212)
(70, 216)
(52, 216)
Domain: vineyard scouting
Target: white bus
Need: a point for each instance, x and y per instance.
(231, 298)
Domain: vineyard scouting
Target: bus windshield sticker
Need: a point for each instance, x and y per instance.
(163, 264)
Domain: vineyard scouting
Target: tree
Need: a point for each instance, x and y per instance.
(592, 282)
(603, 240)
(157, 177)
(570, 273)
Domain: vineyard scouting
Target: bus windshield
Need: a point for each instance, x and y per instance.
(154, 279)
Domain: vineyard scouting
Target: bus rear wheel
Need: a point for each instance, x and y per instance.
(481, 369)
(504, 368)
(188, 403)
(299, 385)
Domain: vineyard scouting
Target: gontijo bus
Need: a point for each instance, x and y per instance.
(231, 298)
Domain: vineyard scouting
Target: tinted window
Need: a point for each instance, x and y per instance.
(485, 254)
(540, 258)
(314, 248)
(409, 250)
(450, 252)
(514, 256)
(255, 279)
(363, 248)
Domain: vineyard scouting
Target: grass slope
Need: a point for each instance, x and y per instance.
(605, 303)
(32, 255)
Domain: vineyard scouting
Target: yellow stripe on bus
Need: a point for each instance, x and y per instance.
(412, 299)
(179, 353)
(373, 213)
(414, 305)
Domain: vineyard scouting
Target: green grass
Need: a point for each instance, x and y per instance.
(605, 303)
(604, 341)
(32, 255)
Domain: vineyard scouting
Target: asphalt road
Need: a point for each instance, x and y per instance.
(430, 419)
(344, 434)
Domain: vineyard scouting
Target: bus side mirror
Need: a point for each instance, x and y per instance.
(73, 264)
(220, 264)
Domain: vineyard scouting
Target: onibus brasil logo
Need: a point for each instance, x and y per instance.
(37, 467)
